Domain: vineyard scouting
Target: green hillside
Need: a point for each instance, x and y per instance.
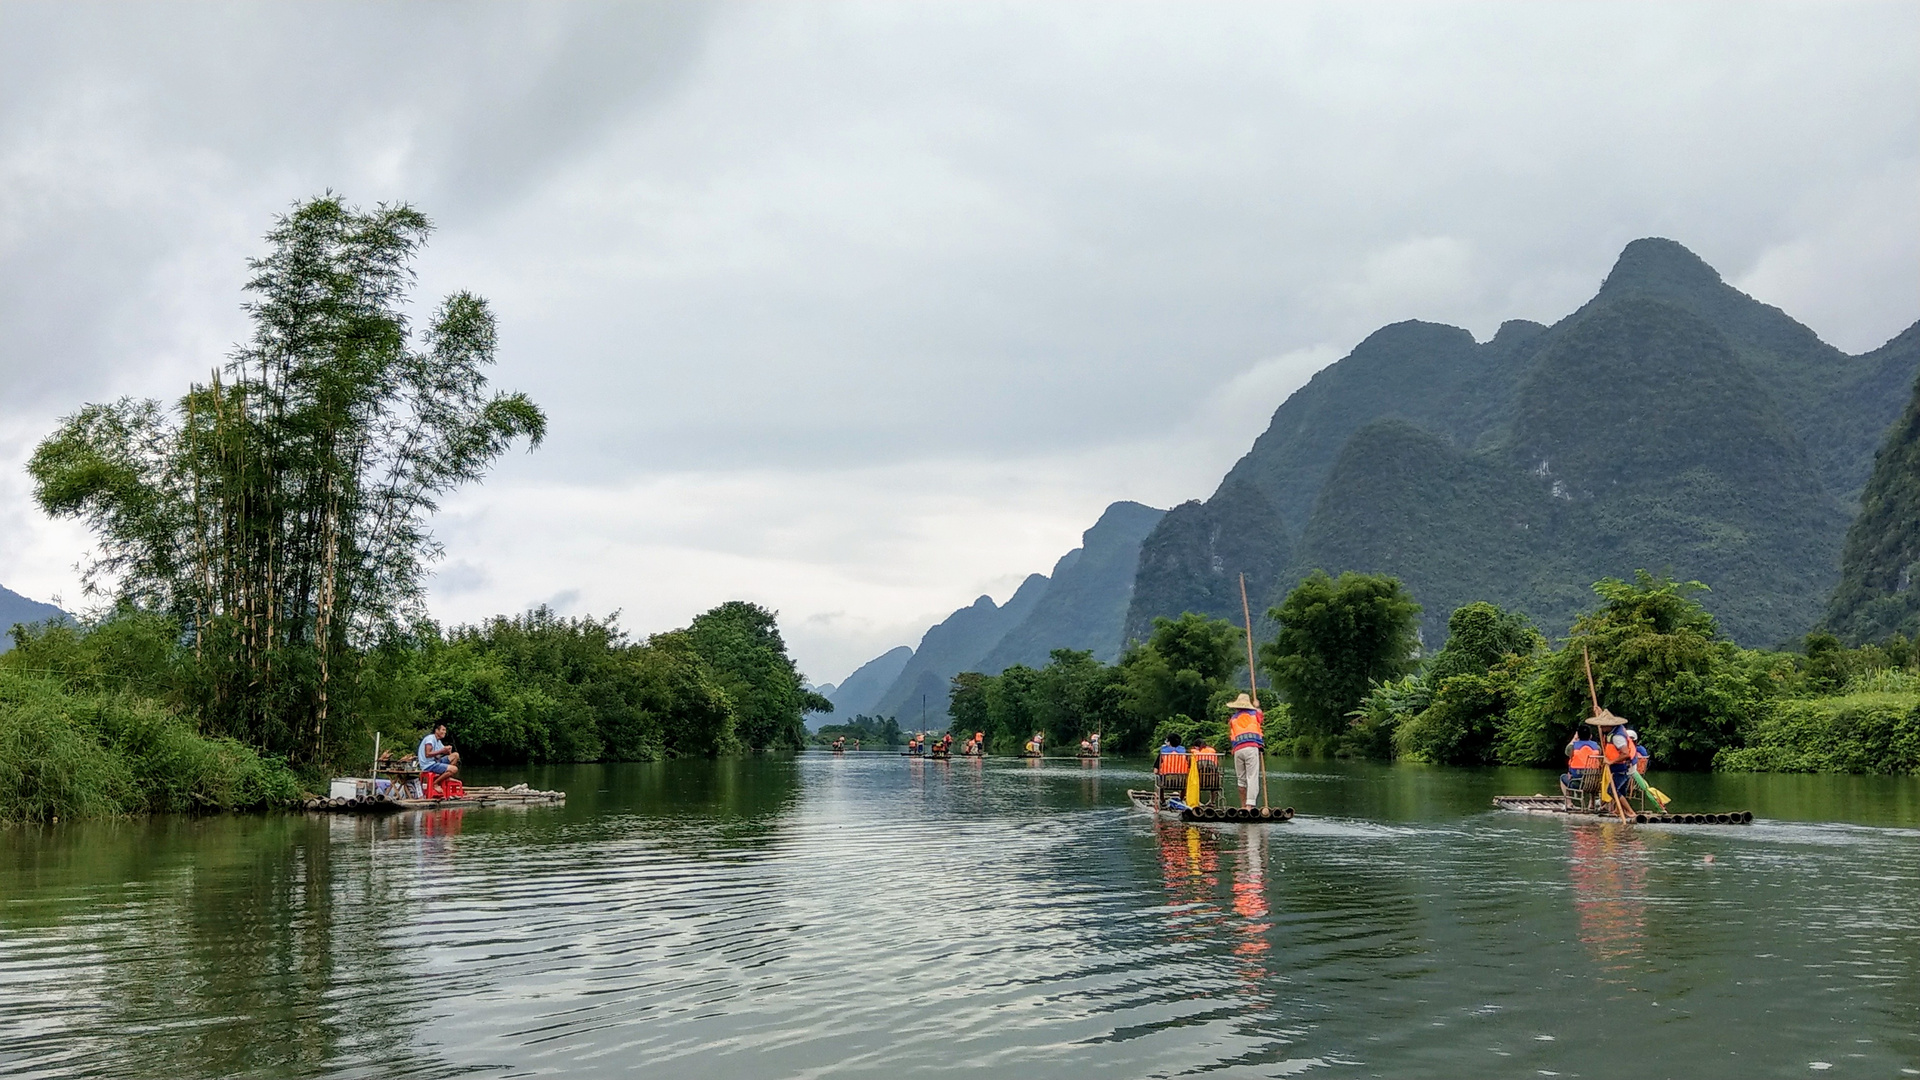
(1671, 423)
(1876, 596)
(955, 644)
(1192, 561)
(1085, 602)
(1640, 439)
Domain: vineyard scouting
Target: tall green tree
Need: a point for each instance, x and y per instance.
(1470, 685)
(1180, 670)
(279, 510)
(1337, 638)
(741, 642)
(1659, 661)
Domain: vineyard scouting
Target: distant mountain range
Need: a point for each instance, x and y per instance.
(1672, 424)
(1081, 606)
(15, 609)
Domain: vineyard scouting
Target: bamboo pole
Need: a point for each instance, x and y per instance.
(1606, 772)
(1253, 686)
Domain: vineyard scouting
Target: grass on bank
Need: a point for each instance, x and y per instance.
(69, 752)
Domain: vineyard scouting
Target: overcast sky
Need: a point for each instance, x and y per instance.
(859, 311)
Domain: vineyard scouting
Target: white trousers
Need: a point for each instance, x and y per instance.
(1246, 772)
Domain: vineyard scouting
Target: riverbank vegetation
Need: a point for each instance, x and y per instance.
(262, 551)
(867, 732)
(1178, 680)
(1351, 681)
(1499, 693)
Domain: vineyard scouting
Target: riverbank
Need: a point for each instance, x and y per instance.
(68, 752)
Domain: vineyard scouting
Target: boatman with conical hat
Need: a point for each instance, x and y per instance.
(1246, 737)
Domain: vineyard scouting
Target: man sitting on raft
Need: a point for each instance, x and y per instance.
(1583, 756)
(1171, 769)
(435, 756)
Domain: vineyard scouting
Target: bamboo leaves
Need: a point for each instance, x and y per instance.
(280, 511)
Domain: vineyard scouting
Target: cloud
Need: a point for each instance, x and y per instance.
(870, 308)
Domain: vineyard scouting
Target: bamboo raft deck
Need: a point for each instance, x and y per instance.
(475, 797)
(1560, 804)
(1259, 815)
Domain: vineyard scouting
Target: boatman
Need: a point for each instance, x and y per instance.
(1583, 757)
(1246, 738)
(1621, 753)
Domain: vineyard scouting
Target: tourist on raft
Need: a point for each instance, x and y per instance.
(1246, 740)
(1583, 756)
(1622, 754)
(435, 755)
(1171, 763)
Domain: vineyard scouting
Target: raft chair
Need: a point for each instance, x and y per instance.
(1209, 780)
(440, 786)
(1586, 785)
(1174, 784)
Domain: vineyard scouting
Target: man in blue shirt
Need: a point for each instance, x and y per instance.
(435, 756)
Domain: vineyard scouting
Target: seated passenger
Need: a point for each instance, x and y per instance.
(1583, 754)
(1171, 766)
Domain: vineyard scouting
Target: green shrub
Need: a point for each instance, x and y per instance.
(1865, 732)
(67, 753)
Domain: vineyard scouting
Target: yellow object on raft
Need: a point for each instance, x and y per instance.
(1193, 781)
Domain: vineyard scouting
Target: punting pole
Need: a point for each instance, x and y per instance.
(1606, 774)
(1253, 685)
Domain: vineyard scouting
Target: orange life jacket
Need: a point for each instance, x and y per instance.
(1206, 753)
(1616, 755)
(1172, 762)
(1586, 756)
(1245, 729)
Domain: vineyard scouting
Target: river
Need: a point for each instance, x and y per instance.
(869, 915)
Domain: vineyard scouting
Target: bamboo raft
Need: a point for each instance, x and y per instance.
(1258, 815)
(1560, 804)
(475, 797)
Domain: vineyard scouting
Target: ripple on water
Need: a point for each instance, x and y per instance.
(878, 916)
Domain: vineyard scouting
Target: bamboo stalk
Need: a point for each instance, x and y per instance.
(1607, 772)
(1253, 686)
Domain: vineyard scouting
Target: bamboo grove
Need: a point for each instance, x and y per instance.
(278, 511)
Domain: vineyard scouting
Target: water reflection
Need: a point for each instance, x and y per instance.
(1609, 871)
(869, 914)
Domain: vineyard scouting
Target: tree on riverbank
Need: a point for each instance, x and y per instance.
(1337, 639)
(1181, 671)
(278, 511)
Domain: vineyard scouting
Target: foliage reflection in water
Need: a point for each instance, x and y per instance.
(868, 914)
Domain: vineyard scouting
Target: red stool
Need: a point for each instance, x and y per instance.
(452, 788)
(429, 784)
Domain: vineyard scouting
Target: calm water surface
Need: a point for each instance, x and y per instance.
(870, 915)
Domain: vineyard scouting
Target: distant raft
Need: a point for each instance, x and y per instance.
(1257, 815)
(378, 802)
(1560, 804)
